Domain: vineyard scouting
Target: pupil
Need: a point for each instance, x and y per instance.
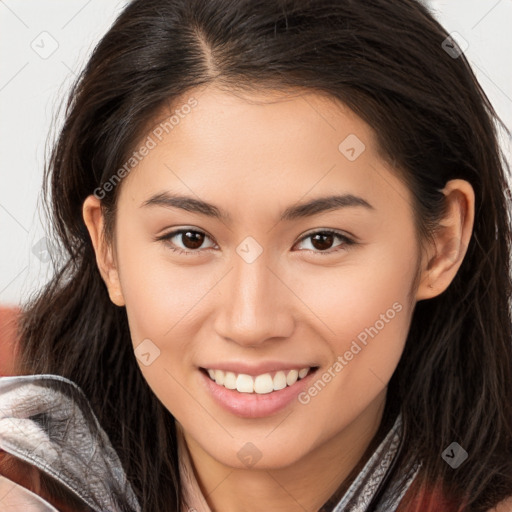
(323, 238)
(196, 242)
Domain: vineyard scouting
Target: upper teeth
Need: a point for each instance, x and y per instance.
(260, 384)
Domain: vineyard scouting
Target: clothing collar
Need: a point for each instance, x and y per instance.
(47, 422)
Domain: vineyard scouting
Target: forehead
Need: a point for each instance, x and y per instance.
(278, 147)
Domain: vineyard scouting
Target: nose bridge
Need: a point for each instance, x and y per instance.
(254, 303)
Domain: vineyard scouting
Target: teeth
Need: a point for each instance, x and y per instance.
(261, 384)
(230, 380)
(292, 377)
(279, 380)
(244, 383)
(303, 372)
(219, 377)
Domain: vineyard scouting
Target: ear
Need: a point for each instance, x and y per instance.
(442, 258)
(105, 253)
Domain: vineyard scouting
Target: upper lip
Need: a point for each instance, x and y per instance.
(255, 369)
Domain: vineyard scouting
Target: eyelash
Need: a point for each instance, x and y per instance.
(346, 241)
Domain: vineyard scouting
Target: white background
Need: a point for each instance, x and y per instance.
(32, 87)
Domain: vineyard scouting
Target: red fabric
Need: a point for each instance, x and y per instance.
(8, 336)
(431, 500)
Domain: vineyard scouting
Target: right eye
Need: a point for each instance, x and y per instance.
(191, 239)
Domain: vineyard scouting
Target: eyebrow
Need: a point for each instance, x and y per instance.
(301, 210)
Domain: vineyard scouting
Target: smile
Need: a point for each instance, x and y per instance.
(259, 384)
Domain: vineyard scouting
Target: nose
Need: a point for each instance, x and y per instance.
(255, 305)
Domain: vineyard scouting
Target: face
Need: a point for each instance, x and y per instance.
(303, 294)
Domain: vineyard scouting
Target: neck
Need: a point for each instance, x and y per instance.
(304, 485)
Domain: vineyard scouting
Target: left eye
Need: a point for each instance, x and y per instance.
(192, 240)
(321, 239)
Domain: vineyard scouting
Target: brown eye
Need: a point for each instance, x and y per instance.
(192, 239)
(187, 241)
(322, 241)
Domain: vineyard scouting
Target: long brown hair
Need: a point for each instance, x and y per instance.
(386, 60)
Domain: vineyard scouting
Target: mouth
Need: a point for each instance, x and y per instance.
(259, 395)
(265, 383)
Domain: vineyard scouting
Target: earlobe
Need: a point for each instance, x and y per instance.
(444, 256)
(105, 258)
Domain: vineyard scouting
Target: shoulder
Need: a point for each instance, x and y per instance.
(503, 506)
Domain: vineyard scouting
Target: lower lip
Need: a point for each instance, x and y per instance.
(254, 405)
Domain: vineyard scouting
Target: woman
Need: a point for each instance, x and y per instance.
(289, 268)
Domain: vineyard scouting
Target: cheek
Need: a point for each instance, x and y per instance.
(365, 316)
(159, 294)
(160, 300)
(370, 329)
(369, 290)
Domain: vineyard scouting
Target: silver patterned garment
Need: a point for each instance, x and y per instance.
(46, 420)
(363, 494)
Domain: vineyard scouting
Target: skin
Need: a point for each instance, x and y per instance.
(253, 156)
